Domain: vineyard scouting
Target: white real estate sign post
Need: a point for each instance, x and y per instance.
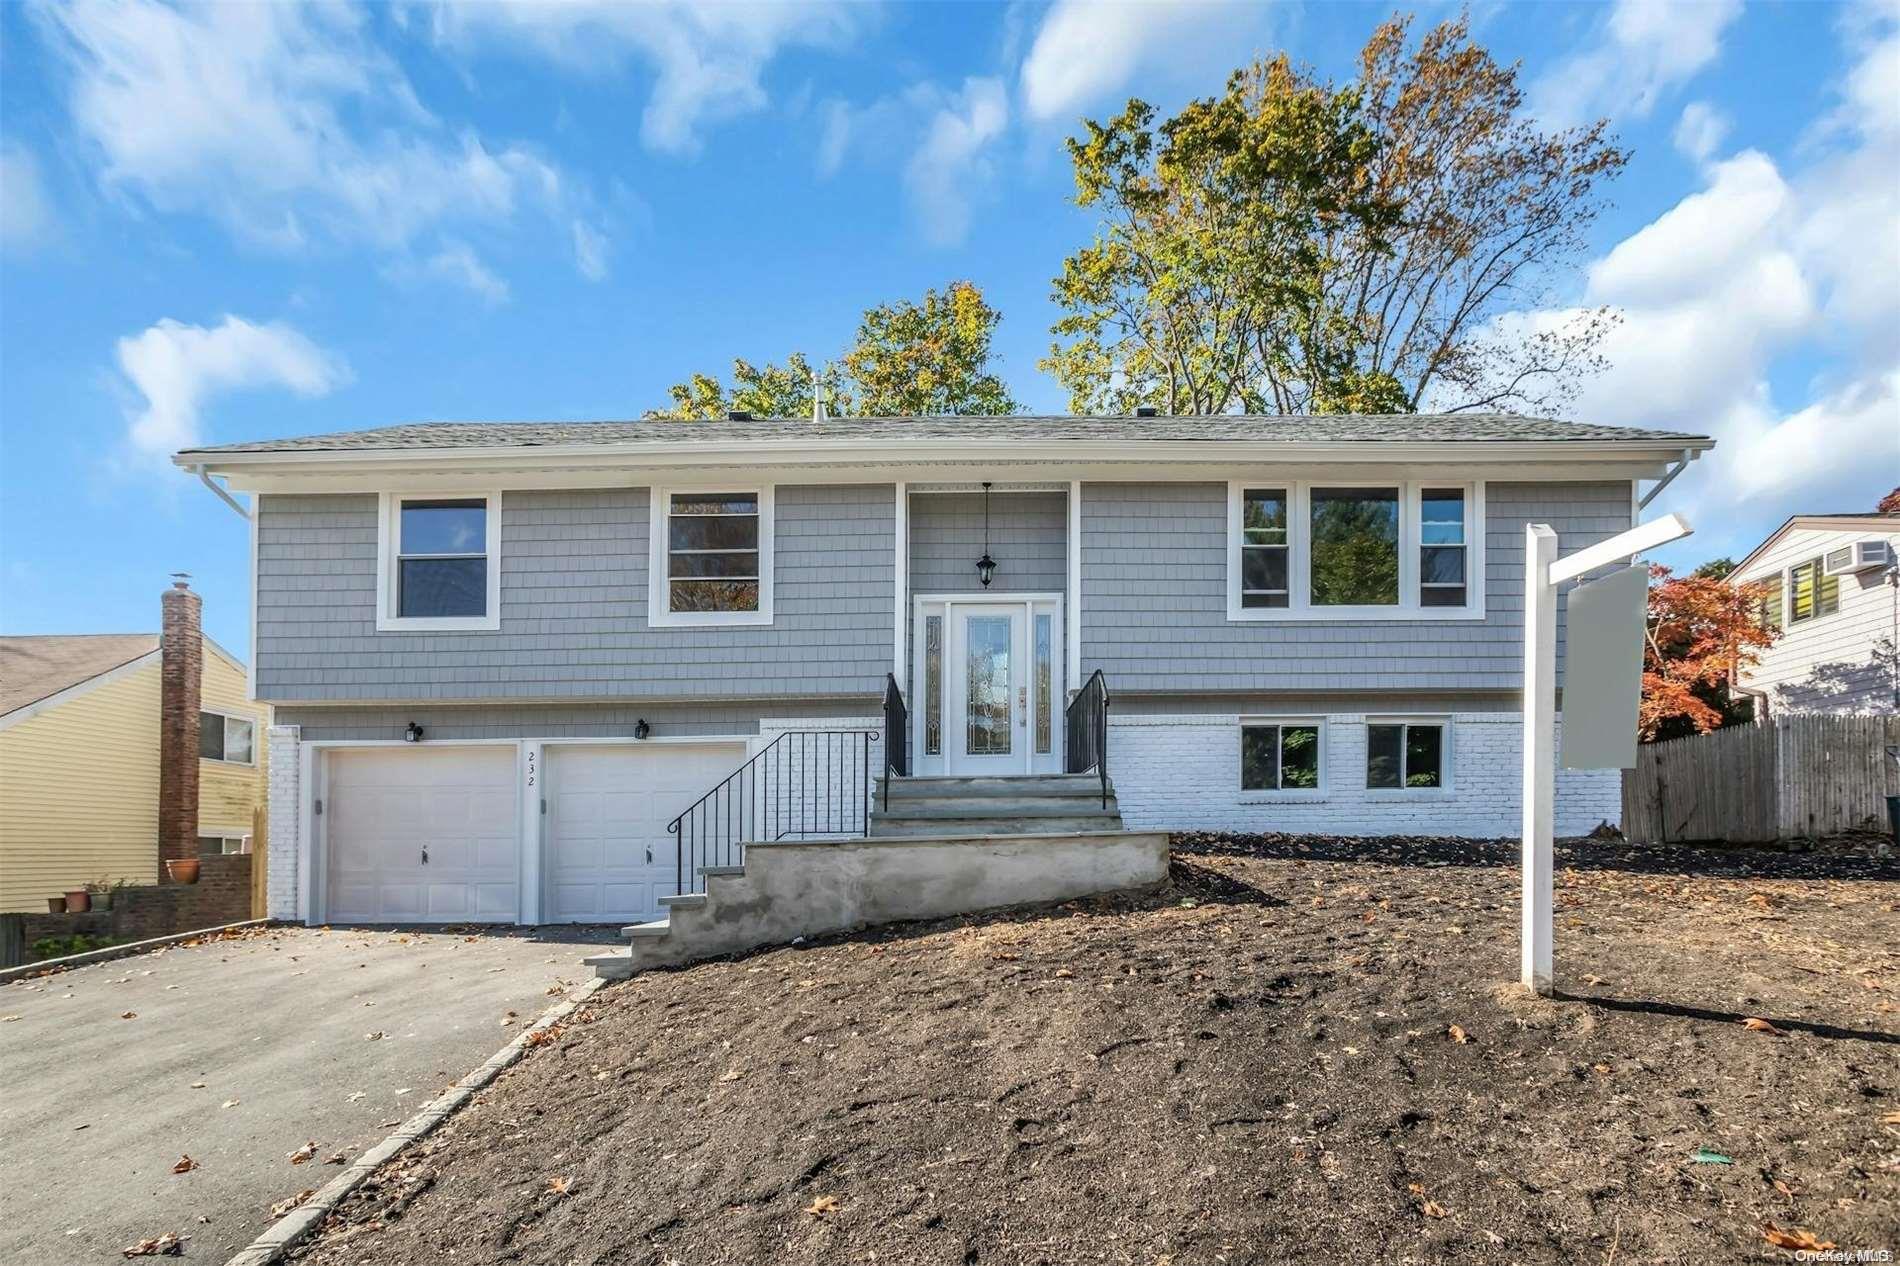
(1543, 572)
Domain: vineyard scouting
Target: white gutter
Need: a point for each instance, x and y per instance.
(204, 477)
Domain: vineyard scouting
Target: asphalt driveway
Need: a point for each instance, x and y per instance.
(237, 1053)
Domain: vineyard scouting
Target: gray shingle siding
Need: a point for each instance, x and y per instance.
(1154, 599)
(574, 606)
(555, 721)
(1028, 537)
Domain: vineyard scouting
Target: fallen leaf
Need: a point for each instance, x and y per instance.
(230, 1103)
(822, 1205)
(1064, 972)
(558, 1186)
(185, 1165)
(1416, 1188)
(303, 1153)
(288, 1203)
(1595, 980)
(1457, 1034)
(166, 1245)
(1892, 1118)
(377, 1036)
(1761, 1026)
(354, 1095)
(732, 1074)
(1601, 1070)
(197, 1085)
(1432, 1209)
(336, 1158)
(128, 1015)
(4, 1019)
(1796, 1239)
(1784, 1188)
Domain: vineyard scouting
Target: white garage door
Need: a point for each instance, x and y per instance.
(608, 854)
(422, 835)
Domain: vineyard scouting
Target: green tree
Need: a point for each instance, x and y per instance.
(928, 358)
(1296, 247)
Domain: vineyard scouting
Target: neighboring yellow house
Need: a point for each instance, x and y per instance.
(80, 768)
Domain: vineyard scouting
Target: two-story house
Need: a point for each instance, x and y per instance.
(1833, 594)
(502, 658)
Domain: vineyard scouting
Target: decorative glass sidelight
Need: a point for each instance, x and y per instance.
(987, 703)
(933, 685)
(1045, 683)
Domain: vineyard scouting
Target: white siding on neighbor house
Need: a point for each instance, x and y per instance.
(1829, 663)
(1182, 772)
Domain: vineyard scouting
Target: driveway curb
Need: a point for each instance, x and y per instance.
(297, 1225)
(26, 970)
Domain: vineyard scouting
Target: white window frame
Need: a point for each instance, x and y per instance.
(245, 717)
(1279, 795)
(1447, 753)
(1299, 557)
(388, 574)
(660, 504)
(227, 833)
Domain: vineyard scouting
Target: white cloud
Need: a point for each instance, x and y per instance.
(1087, 50)
(1645, 48)
(1721, 292)
(948, 137)
(286, 122)
(951, 168)
(1701, 130)
(26, 219)
(455, 264)
(179, 368)
(590, 251)
(708, 59)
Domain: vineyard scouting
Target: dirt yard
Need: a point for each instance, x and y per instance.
(1299, 1049)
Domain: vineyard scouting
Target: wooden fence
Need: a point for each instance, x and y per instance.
(1793, 777)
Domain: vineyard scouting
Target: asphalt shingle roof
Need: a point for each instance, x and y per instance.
(33, 668)
(1349, 428)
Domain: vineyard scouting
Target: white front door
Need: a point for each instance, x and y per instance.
(987, 682)
(421, 835)
(609, 856)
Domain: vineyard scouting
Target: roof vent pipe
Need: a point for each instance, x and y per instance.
(1147, 411)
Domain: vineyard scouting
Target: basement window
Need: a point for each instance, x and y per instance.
(1283, 756)
(1406, 755)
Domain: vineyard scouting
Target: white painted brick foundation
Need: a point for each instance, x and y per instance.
(286, 817)
(1183, 773)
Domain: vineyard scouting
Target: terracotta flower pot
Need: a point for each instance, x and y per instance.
(78, 901)
(56, 905)
(183, 870)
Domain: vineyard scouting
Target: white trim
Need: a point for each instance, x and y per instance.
(1072, 608)
(1299, 608)
(388, 530)
(256, 732)
(531, 772)
(1619, 548)
(27, 711)
(659, 503)
(250, 668)
(1446, 762)
(900, 570)
(1280, 795)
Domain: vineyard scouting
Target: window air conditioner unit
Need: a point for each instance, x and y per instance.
(1858, 557)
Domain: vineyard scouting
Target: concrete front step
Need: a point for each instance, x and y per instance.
(688, 900)
(1079, 824)
(615, 965)
(640, 931)
(993, 807)
(938, 785)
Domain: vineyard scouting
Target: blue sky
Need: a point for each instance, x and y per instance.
(226, 223)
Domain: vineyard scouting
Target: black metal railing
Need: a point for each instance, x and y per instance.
(1087, 727)
(803, 783)
(896, 735)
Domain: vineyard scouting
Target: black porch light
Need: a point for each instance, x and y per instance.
(986, 566)
(641, 729)
(413, 734)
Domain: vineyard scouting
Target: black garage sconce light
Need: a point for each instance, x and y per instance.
(641, 729)
(413, 734)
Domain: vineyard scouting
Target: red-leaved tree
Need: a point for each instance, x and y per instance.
(1699, 631)
(1890, 504)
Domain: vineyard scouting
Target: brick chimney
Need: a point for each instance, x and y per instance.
(181, 674)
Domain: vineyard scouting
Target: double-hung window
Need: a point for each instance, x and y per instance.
(1307, 550)
(1406, 755)
(1812, 593)
(440, 562)
(230, 739)
(712, 557)
(1280, 756)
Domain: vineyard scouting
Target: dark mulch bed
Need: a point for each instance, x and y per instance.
(1257, 1063)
